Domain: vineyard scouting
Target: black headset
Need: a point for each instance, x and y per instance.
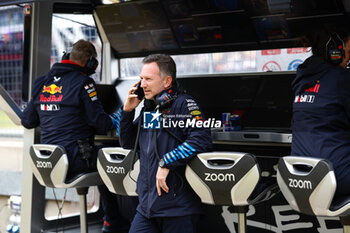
(335, 49)
(91, 64)
(165, 97)
(161, 100)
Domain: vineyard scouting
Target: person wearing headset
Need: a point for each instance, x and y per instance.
(321, 108)
(65, 105)
(166, 201)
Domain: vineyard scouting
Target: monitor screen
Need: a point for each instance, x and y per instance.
(136, 26)
(263, 101)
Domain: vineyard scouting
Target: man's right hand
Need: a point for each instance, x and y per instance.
(131, 101)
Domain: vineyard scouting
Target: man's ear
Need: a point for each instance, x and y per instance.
(168, 82)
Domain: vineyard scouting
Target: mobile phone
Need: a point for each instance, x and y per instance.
(139, 91)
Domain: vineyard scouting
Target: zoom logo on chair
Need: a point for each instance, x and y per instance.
(301, 184)
(219, 177)
(116, 168)
(223, 178)
(43, 164)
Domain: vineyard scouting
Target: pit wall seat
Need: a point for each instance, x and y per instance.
(50, 167)
(114, 165)
(229, 178)
(309, 185)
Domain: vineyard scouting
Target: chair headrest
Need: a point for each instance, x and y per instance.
(114, 166)
(223, 178)
(49, 164)
(308, 184)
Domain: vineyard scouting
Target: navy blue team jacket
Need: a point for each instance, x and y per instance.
(181, 199)
(321, 114)
(65, 105)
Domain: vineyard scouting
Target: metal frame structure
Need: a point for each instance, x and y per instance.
(38, 54)
(33, 194)
(40, 49)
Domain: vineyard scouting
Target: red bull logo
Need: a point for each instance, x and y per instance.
(52, 89)
(314, 89)
(51, 98)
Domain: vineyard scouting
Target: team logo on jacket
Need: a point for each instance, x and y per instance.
(90, 89)
(191, 105)
(52, 89)
(308, 98)
(314, 89)
(196, 112)
(89, 86)
(49, 107)
(55, 79)
(304, 99)
(151, 120)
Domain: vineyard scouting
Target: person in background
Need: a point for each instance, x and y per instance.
(166, 201)
(321, 108)
(65, 105)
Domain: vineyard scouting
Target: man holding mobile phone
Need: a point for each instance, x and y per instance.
(166, 201)
(139, 91)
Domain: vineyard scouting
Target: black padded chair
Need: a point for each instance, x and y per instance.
(309, 184)
(229, 178)
(50, 166)
(114, 165)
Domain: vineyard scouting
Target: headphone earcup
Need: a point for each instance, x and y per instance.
(92, 63)
(165, 97)
(65, 56)
(335, 49)
(335, 56)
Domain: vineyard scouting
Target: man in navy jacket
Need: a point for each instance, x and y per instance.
(321, 108)
(166, 201)
(66, 107)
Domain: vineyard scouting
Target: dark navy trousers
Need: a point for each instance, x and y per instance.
(118, 210)
(185, 224)
(343, 187)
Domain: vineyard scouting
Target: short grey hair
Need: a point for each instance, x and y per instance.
(83, 50)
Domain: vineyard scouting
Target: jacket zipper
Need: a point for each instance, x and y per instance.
(148, 176)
